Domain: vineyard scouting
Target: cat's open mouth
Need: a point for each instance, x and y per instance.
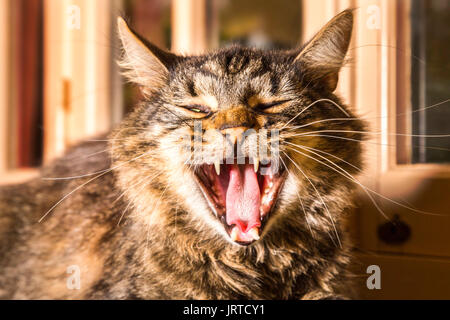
(241, 196)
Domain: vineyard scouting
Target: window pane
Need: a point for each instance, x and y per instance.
(26, 81)
(267, 24)
(430, 25)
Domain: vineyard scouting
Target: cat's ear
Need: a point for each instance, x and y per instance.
(323, 56)
(143, 63)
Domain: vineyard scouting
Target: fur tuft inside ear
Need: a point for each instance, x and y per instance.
(323, 56)
(142, 62)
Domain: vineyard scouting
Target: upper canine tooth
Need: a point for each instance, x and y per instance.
(217, 167)
(234, 234)
(254, 232)
(256, 163)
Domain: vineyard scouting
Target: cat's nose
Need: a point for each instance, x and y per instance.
(235, 117)
(234, 134)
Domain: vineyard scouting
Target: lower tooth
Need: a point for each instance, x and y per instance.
(234, 234)
(254, 232)
(217, 167)
(264, 199)
(255, 164)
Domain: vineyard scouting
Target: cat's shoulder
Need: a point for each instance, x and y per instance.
(74, 172)
(71, 208)
(81, 159)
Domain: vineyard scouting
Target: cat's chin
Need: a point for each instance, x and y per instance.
(241, 196)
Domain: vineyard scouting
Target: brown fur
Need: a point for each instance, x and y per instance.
(169, 244)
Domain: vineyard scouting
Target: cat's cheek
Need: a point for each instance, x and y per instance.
(182, 181)
(287, 197)
(208, 225)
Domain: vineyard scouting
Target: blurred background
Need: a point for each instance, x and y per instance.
(59, 84)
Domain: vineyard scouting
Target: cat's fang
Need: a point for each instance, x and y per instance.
(237, 235)
(234, 234)
(217, 166)
(254, 232)
(256, 163)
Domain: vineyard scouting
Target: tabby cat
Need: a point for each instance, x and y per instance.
(161, 210)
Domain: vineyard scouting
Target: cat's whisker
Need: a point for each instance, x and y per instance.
(143, 185)
(352, 178)
(368, 142)
(311, 105)
(289, 128)
(375, 117)
(307, 85)
(375, 133)
(148, 224)
(123, 212)
(70, 193)
(135, 184)
(327, 153)
(125, 191)
(420, 109)
(100, 140)
(103, 172)
(320, 197)
(78, 177)
(114, 139)
(301, 201)
(176, 218)
(83, 156)
(182, 119)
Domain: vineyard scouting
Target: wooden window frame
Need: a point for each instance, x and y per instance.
(9, 172)
(194, 26)
(78, 74)
(4, 85)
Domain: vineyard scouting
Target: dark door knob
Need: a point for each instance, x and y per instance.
(394, 232)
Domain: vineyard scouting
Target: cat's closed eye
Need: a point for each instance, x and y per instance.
(270, 107)
(198, 111)
(197, 108)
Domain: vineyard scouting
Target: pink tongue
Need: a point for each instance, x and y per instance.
(243, 198)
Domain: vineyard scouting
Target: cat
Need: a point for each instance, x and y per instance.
(146, 213)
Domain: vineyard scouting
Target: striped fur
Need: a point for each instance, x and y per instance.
(168, 244)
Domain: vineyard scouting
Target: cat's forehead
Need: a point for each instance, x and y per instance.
(234, 73)
(238, 61)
